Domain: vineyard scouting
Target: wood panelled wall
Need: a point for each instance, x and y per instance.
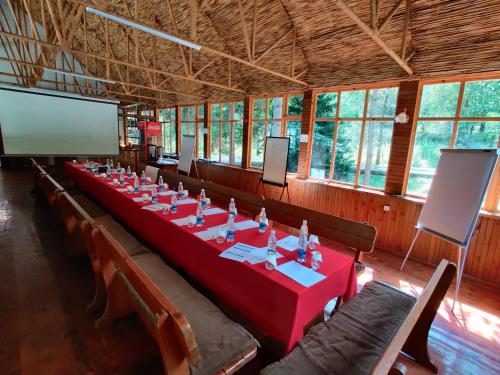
(396, 228)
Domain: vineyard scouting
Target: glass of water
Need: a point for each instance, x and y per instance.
(313, 241)
(221, 236)
(316, 260)
(191, 221)
(165, 210)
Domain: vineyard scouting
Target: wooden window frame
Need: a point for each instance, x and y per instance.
(220, 121)
(171, 121)
(493, 193)
(336, 121)
(198, 121)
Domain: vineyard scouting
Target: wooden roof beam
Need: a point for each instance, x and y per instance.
(374, 35)
(389, 15)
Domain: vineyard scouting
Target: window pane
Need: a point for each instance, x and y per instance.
(321, 149)
(352, 103)
(201, 140)
(201, 111)
(226, 111)
(214, 142)
(238, 111)
(295, 105)
(215, 112)
(258, 139)
(238, 142)
(431, 136)
(481, 99)
(376, 150)
(191, 112)
(483, 134)
(161, 116)
(226, 141)
(326, 105)
(184, 129)
(439, 100)
(191, 129)
(346, 151)
(174, 137)
(382, 102)
(184, 114)
(274, 129)
(293, 131)
(275, 108)
(259, 109)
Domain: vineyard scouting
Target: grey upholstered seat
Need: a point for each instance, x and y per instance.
(220, 340)
(354, 338)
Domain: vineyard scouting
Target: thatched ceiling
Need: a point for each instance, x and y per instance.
(458, 36)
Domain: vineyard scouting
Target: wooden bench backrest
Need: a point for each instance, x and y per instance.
(50, 188)
(71, 212)
(165, 323)
(344, 231)
(421, 315)
(222, 195)
(193, 185)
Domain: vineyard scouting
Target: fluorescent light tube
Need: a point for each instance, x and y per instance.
(79, 75)
(146, 29)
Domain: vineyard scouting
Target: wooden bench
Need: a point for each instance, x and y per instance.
(368, 332)
(193, 185)
(247, 202)
(192, 334)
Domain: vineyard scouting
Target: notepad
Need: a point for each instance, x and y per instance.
(213, 211)
(167, 193)
(238, 252)
(122, 190)
(299, 273)
(186, 201)
(182, 221)
(247, 224)
(156, 207)
(210, 233)
(259, 255)
(138, 199)
(289, 243)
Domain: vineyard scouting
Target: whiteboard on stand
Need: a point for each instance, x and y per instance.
(187, 153)
(456, 194)
(275, 160)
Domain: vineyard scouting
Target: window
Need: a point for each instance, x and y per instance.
(279, 116)
(226, 132)
(352, 134)
(459, 114)
(167, 119)
(191, 120)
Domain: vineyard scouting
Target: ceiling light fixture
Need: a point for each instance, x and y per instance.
(79, 75)
(146, 29)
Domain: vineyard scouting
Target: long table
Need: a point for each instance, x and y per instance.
(277, 305)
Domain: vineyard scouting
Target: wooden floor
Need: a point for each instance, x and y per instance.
(44, 328)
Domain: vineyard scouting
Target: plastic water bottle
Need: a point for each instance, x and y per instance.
(129, 171)
(122, 177)
(160, 183)
(143, 177)
(262, 220)
(230, 229)
(111, 163)
(203, 198)
(107, 162)
(136, 185)
(118, 166)
(108, 172)
(232, 208)
(154, 196)
(180, 190)
(271, 251)
(199, 215)
(173, 204)
(301, 257)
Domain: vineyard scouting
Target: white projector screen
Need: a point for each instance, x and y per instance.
(34, 122)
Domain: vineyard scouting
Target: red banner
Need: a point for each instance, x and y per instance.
(151, 127)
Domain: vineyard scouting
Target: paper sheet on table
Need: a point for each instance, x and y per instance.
(210, 233)
(156, 207)
(238, 252)
(299, 273)
(213, 211)
(138, 199)
(247, 224)
(289, 243)
(122, 190)
(186, 201)
(182, 221)
(149, 187)
(167, 193)
(259, 255)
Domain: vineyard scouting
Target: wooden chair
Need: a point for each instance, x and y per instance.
(358, 236)
(130, 289)
(152, 172)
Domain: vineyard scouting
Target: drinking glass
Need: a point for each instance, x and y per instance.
(130, 189)
(208, 203)
(191, 221)
(221, 236)
(316, 260)
(165, 210)
(145, 198)
(313, 241)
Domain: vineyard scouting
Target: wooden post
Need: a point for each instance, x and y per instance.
(247, 139)
(206, 139)
(178, 129)
(305, 130)
(401, 138)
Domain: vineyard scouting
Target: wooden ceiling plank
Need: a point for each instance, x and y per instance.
(373, 35)
(374, 14)
(389, 15)
(254, 27)
(272, 46)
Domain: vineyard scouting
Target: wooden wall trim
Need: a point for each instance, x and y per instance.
(401, 138)
(306, 129)
(178, 128)
(247, 121)
(206, 140)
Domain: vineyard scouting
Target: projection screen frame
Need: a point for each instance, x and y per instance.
(43, 92)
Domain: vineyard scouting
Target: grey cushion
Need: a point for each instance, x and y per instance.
(88, 205)
(354, 338)
(220, 340)
(129, 243)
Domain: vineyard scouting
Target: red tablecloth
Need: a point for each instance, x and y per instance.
(278, 305)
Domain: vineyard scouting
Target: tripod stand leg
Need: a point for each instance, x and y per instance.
(410, 249)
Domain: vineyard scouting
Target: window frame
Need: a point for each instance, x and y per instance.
(173, 125)
(285, 118)
(220, 121)
(197, 120)
(493, 192)
(336, 121)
